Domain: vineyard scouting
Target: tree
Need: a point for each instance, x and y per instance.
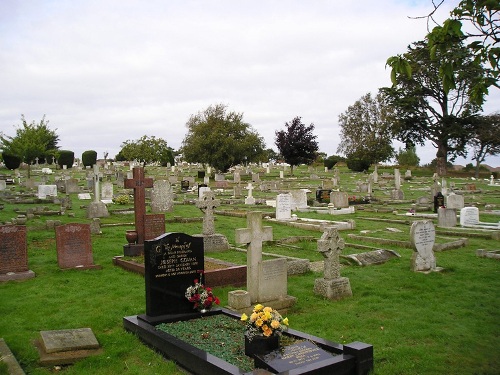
(31, 141)
(297, 144)
(483, 43)
(424, 110)
(486, 138)
(408, 157)
(147, 150)
(365, 130)
(221, 139)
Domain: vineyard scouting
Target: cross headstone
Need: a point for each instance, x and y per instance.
(250, 199)
(139, 183)
(332, 285)
(253, 236)
(207, 203)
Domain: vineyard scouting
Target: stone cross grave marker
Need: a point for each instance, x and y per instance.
(14, 253)
(172, 262)
(207, 204)
(139, 183)
(332, 285)
(422, 237)
(250, 199)
(253, 236)
(74, 246)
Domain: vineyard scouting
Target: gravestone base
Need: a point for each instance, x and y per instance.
(97, 209)
(214, 242)
(133, 250)
(83, 267)
(67, 346)
(249, 200)
(333, 289)
(281, 305)
(17, 276)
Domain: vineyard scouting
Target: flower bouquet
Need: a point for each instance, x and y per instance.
(263, 328)
(200, 295)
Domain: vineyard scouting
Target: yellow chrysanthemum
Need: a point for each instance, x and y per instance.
(267, 315)
(244, 317)
(258, 307)
(267, 331)
(268, 309)
(254, 317)
(275, 324)
(285, 321)
(259, 322)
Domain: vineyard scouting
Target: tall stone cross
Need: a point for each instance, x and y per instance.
(330, 245)
(207, 203)
(139, 183)
(253, 236)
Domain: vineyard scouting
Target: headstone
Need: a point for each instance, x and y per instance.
(139, 183)
(3, 185)
(237, 177)
(369, 258)
(455, 201)
(74, 246)
(299, 199)
(447, 217)
(219, 177)
(249, 200)
(71, 186)
(237, 191)
(339, 199)
(438, 201)
(469, 216)
(422, 237)
(212, 241)
(282, 174)
(332, 285)
(14, 253)
(162, 197)
(172, 262)
(63, 347)
(184, 185)
(154, 226)
(283, 207)
(107, 192)
(255, 177)
(47, 190)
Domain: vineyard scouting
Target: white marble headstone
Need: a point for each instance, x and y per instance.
(422, 237)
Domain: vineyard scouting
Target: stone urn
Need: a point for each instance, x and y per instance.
(131, 236)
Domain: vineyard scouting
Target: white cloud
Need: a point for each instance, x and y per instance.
(108, 71)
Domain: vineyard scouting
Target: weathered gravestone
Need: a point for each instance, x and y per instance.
(369, 258)
(154, 226)
(299, 199)
(14, 253)
(139, 183)
(66, 346)
(172, 262)
(45, 191)
(266, 280)
(332, 285)
(422, 237)
(455, 201)
(162, 197)
(447, 217)
(339, 199)
(74, 246)
(212, 241)
(107, 192)
(283, 207)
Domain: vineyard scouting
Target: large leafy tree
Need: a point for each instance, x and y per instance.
(365, 130)
(221, 139)
(297, 143)
(485, 139)
(32, 140)
(474, 22)
(425, 110)
(147, 150)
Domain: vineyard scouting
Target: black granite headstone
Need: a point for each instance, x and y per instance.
(184, 185)
(323, 195)
(300, 355)
(201, 174)
(172, 262)
(438, 201)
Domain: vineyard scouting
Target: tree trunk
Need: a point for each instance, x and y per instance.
(476, 173)
(441, 157)
(291, 169)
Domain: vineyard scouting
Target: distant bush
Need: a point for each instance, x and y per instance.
(89, 158)
(358, 164)
(66, 158)
(330, 161)
(11, 161)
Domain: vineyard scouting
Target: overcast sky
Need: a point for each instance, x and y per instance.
(107, 71)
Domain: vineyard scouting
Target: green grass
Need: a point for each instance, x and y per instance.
(441, 323)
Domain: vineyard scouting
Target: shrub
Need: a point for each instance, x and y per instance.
(11, 161)
(66, 158)
(89, 158)
(358, 164)
(122, 199)
(332, 160)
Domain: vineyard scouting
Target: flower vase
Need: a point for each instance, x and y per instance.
(261, 344)
(131, 236)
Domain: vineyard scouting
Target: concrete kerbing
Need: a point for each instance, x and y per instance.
(7, 357)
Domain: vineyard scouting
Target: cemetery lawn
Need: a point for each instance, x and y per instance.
(438, 323)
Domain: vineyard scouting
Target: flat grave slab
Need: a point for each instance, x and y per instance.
(369, 258)
(66, 346)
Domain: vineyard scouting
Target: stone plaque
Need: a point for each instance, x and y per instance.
(369, 258)
(68, 339)
(295, 356)
(13, 249)
(154, 226)
(273, 284)
(172, 262)
(74, 246)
